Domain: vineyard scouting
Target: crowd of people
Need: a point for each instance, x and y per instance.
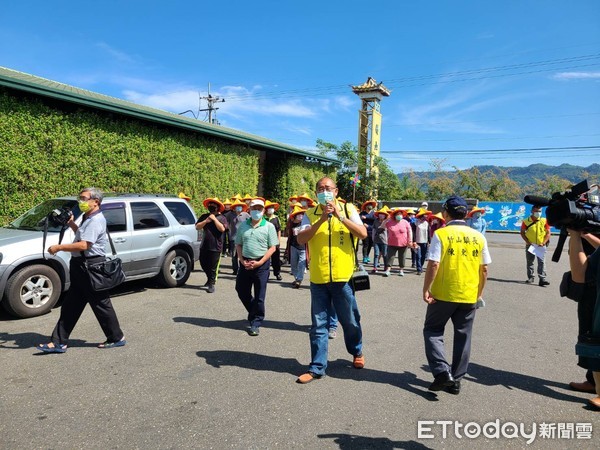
(449, 247)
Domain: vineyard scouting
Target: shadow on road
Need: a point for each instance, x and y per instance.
(489, 376)
(500, 280)
(240, 324)
(352, 441)
(339, 368)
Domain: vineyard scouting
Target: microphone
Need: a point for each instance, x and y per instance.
(535, 200)
(330, 215)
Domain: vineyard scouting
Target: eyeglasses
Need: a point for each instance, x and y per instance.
(85, 199)
(326, 188)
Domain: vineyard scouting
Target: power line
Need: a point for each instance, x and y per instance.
(495, 150)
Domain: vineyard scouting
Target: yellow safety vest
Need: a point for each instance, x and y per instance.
(457, 279)
(330, 249)
(537, 232)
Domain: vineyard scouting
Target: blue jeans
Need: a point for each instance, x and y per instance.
(344, 302)
(298, 262)
(421, 255)
(380, 249)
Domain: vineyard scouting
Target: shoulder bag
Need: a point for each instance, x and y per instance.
(360, 278)
(107, 274)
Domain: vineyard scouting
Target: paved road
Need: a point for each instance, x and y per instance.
(190, 377)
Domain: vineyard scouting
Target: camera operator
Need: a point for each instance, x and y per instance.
(88, 246)
(535, 231)
(582, 287)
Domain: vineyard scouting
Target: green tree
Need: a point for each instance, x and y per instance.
(388, 187)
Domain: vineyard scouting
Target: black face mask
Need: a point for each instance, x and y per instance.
(212, 209)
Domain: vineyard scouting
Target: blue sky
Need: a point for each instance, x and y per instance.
(473, 82)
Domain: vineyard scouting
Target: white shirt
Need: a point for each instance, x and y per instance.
(435, 250)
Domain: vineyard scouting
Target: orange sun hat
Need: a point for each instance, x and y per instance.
(216, 201)
(270, 204)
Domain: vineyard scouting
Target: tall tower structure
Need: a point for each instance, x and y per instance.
(369, 128)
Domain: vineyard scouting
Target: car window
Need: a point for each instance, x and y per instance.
(114, 213)
(35, 218)
(147, 215)
(181, 212)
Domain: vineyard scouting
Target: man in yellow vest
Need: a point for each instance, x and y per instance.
(330, 229)
(535, 231)
(454, 281)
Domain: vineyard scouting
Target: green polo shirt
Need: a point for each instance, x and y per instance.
(255, 241)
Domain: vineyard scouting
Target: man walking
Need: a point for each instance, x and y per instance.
(330, 230)
(535, 231)
(454, 281)
(256, 240)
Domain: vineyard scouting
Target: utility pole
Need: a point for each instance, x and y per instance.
(211, 101)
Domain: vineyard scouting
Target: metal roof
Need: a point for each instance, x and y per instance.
(47, 88)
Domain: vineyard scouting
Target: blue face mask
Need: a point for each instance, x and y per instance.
(476, 215)
(256, 215)
(324, 197)
(238, 209)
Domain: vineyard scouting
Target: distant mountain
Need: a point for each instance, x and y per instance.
(527, 175)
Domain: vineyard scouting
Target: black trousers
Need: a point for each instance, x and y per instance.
(209, 261)
(276, 262)
(245, 283)
(79, 295)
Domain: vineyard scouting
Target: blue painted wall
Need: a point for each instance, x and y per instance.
(507, 216)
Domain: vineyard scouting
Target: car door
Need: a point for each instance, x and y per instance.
(115, 214)
(150, 232)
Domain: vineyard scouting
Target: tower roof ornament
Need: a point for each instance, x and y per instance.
(371, 86)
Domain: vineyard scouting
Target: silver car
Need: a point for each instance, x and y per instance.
(154, 235)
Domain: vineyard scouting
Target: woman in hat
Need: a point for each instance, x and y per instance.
(297, 251)
(475, 219)
(270, 209)
(240, 215)
(436, 221)
(228, 213)
(379, 236)
(421, 237)
(400, 237)
(367, 215)
(306, 201)
(214, 226)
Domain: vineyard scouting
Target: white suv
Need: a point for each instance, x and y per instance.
(154, 235)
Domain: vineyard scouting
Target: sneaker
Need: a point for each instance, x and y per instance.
(419, 272)
(211, 288)
(530, 280)
(332, 333)
(374, 270)
(401, 273)
(544, 283)
(386, 273)
(253, 331)
(365, 260)
(359, 361)
(279, 277)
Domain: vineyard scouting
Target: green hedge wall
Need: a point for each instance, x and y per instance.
(47, 151)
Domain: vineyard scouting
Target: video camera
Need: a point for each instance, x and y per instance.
(577, 208)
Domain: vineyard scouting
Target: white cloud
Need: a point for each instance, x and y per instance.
(240, 102)
(576, 76)
(114, 53)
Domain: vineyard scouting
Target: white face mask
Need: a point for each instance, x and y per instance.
(537, 214)
(399, 217)
(304, 203)
(299, 217)
(270, 211)
(382, 217)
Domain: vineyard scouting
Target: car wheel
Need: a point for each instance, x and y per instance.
(176, 268)
(32, 291)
